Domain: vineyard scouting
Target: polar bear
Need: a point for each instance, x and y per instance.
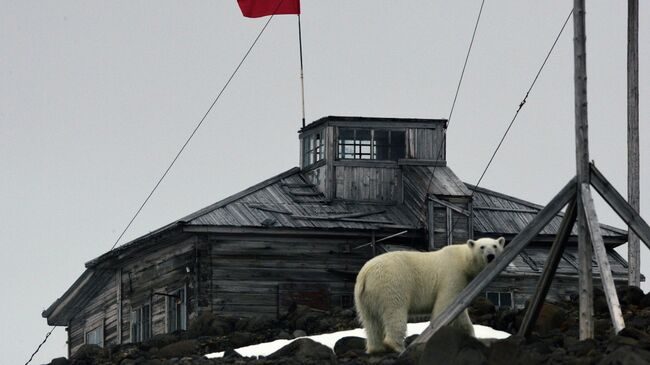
(392, 285)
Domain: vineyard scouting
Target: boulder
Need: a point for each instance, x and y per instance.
(305, 351)
(241, 339)
(350, 343)
(60, 361)
(626, 355)
(551, 316)
(511, 351)
(179, 349)
(209, 324)
(450, 345)
(629, 295)
(481, 306)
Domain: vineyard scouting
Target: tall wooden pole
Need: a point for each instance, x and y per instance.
(634, 247)
(585, 284)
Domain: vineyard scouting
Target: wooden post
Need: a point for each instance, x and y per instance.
(601, 258)
(483, 279)
(431, 224)
(118, 283)
(633, 180)
(550, 267)
(585, 284)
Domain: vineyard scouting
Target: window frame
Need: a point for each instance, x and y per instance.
(182, 324)
(139, 336)
(358, 145)
(499, 294)
(99, 327)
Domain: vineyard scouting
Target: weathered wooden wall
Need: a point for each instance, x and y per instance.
(368, 183)
(425, 144)
(99, 311)
(253, 276)
(162, 271)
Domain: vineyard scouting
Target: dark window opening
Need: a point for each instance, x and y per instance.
(371, 144)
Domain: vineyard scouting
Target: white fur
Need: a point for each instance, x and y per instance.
(392, 285)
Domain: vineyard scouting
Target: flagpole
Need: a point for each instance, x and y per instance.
(302, 78)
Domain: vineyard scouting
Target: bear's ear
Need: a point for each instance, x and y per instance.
(471, 243)
(502, 241)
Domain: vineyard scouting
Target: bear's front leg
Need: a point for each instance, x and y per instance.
(462, 321)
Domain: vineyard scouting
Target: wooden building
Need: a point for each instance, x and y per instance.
(364, 186)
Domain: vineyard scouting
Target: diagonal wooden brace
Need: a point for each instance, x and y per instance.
(552, 263)
(509, 253)
(601, 258)
(631, 217)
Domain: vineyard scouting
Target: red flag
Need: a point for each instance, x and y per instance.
(260, 8)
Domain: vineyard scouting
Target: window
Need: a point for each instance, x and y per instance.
(95, 336)
(176, 311)
(371, 144)
(312, 149)
(141, 323)
(500, 299)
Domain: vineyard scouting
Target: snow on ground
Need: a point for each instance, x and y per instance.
(329, 339)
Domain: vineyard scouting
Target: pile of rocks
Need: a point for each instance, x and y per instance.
(554, 339)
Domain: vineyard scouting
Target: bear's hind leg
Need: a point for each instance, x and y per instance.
(395, 323)
(374, 333)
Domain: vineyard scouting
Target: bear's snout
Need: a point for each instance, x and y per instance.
(490, 257)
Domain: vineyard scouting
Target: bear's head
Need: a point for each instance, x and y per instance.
(487, 248)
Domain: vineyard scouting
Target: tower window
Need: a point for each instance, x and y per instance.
(312, 149)
(371, 144)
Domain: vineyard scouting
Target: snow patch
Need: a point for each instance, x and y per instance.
(329, 339)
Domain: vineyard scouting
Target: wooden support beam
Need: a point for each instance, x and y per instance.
(585, 282)
(633, 180)
(601, 258)
(499, 264)
(620, 206)
(431, 225)
(554, 257)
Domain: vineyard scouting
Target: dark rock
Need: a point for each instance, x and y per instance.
(305, 350)
(634, 333)
(299, 333)
(411, 355)
(626, 356)
(346, 344)
(179, 349)
(241, 339)
(450, 345)
(511, 351)
(629, 295)
(645, 301)
(209, 324)
(283, 335)
(60, 361)
(582, 348)
(88, 352)
(231, 354)
(254, 324)
(481, 306)
(162, 340)
(551, 316)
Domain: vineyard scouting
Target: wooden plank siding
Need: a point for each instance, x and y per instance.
(362, 183)
(164, 270)
(99, 311)
(246, 276)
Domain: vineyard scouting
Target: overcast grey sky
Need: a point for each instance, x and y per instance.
(97, 97)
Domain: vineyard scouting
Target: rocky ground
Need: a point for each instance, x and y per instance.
(554, 339)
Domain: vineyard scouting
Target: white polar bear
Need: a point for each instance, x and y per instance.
(392, 285)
